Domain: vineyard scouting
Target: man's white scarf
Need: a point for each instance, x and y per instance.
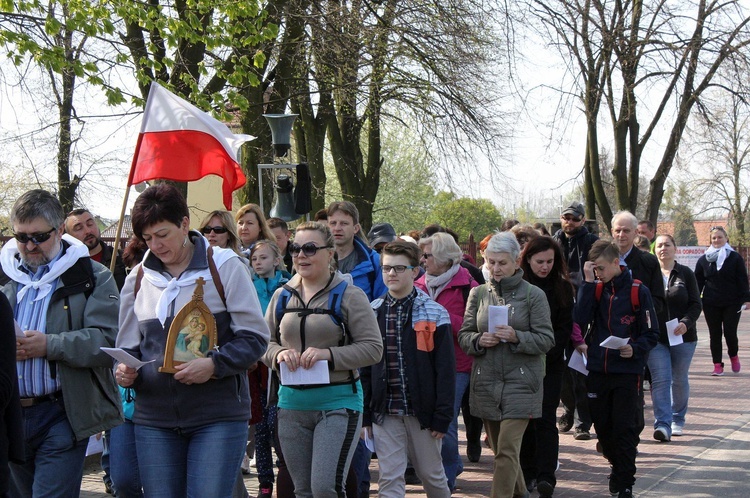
(172, 286)
(11, 266)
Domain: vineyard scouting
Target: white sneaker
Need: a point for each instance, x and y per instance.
(660, 434)
(245, 466)
(676, 430)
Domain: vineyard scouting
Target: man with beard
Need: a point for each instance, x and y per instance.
(575, 240)
(67, 307)
(81, 225)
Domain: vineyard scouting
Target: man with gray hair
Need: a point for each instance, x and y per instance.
(642, 265)
(67, 307)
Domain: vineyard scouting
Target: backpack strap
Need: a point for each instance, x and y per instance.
(635, 299)
(599, 290)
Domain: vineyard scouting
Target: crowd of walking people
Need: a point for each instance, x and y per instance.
(324, 352)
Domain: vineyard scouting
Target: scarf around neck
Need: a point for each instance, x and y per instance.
(718, 255)
(171, 286)
(436, 283)
(11, 263)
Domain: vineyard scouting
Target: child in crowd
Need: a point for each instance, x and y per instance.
(267, 263)
(616, 305)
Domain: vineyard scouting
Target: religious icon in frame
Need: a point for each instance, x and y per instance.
(192, 333)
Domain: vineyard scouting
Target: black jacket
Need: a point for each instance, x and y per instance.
(683, 302)
(645, 267)
(119, 274)
(725, 287)
(11, 425)
(430, 373)
(576, 251)
(613, 314)
(561, 314)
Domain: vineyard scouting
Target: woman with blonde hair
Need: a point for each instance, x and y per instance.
(219, 228)
(448, 283)
(251, 226)
(319, 424)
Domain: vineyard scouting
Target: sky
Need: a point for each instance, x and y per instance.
(540, 166)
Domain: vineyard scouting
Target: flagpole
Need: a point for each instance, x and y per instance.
(119, 230)
(121, 221)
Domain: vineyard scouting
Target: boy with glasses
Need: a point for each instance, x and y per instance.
(409, 395)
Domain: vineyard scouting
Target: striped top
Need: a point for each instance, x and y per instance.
(34, 375)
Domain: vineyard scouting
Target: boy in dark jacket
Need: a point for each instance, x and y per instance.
(615, 375)
(409, 394)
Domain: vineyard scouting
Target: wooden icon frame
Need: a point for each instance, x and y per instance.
(191, 317)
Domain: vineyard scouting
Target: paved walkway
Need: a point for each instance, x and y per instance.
(712, 459)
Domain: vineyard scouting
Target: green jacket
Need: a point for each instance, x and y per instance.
(78, 324)
(506, 380)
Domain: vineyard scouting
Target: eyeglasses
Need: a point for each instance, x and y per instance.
(717, 227)
(397, 268)
(426, 255)
(308, 248)
(36, 238)
(217, 230)
(572, 218)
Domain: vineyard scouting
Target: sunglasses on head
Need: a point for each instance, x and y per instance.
(717, 227)
(218, 230)
(308, 248)
(36, 238)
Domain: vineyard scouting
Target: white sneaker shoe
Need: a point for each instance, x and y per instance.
(245, 466)
(660, 434)
(676, 430)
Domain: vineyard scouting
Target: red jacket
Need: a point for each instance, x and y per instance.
(453, 299)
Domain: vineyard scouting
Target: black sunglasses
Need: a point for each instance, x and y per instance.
(308, 248)
(36, 238)
(208, 229)
(572, 218)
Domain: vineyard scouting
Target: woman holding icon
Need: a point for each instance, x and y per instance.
(508, 368)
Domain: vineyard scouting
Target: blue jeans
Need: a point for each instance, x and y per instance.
(123, 461)
(54, 459)
(452, 462)
(670, 390)
(193, 462)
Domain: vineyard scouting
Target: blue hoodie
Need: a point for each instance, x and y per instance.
(367, 274)
(265, 287)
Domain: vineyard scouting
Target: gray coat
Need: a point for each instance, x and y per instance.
(77, 326)
(506, 380)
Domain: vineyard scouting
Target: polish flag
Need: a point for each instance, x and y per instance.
(180, 142)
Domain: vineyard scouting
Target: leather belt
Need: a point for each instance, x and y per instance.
(28, 402)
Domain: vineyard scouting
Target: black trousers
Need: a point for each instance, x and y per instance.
(722, 320)
(616, 405)
(574, 397)
(541, 442)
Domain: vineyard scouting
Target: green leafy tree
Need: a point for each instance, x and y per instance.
(466, 216)
(678, 208)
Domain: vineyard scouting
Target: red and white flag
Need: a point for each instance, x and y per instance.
(180, 142)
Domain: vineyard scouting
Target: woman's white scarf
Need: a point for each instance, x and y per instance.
(11, 266)
(172, 285)
(436, 283)
(718, 254)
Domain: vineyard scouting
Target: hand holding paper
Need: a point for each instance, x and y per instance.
(614, 342)
(317, 374)
(674, 339)
(125, 358)
(498, 316)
